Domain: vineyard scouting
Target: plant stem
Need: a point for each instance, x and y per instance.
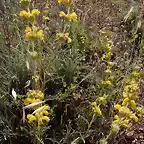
(89, 126)
(38, 136)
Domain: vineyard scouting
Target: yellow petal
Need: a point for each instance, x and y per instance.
(35, 12)
(66, 34)
(69, 40)
(125, 101)
(27, 100)
(45, 118)
(31, 118)
(62, 14)
(74, 16)
(46, 113)
(133, 104)
(28, 29)
(117, 107)
(24, 14)
(47, 107)
(60, 1)
(27, 36)
(40, 35)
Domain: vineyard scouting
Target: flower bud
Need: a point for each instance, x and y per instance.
(133, 104)
(125, 101)
(34, 55)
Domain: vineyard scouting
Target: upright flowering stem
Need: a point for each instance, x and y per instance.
(35, 98)
(106, 83)
(68, 17)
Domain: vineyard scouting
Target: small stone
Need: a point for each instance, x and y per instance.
(130, 134)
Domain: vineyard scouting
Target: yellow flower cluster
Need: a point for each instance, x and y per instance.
(34, 33)
(106, 82)
(64, 37)
(34, 96)
(69, 17)
(40, 113)
(107, 57)
(96, 108)
(126, 111)
(25, 3)
(66, 2)
(130, 94)
(123, 118)
(41, 117)
(29, 15)
(108, 54)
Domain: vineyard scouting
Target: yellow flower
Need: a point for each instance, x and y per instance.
(125, 95)
(66, 34)
(28, 101)
(108, 47)
(106, 82)
(125, 123)
(28, 29)
(46, 113)
(40, 34)
(74, 16)
(125, 111)
(125, 101)
(67, 2)
(93, 104)
(102, 100)
(25, 3)
(29, 15)
(34, 34)
(28, 36)
(28, 33)
(108, 71)
(43, 119)
(64, 37)
(62, 14)
(47, 107)
(40, 95)
(31, 118)
(60, 1)
(35, 12)
(133, 104)
(24, 14)
(70, 17)
(115, 128)
(117, 107)
(69, 40)
(96, 109)
(110, 64)
(36, 100)
(37, 115)
(116, 117)
(134, 117)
